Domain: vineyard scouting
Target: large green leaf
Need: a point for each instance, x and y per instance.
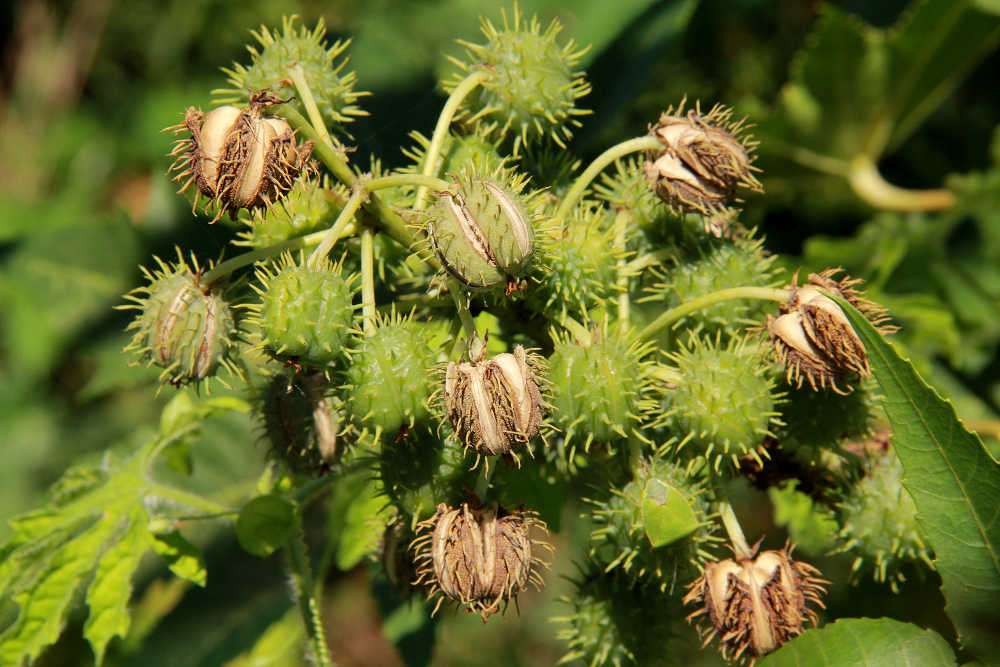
(955, 485)
(96, 528)
(864, 642)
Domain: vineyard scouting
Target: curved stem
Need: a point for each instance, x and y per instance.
(397, 180)
(674, 314)
(368, 280)
(597, 166)
(455, 99)
(305, 589)
(309, 102)
(868, 183)
(223, 269)
(741, 549)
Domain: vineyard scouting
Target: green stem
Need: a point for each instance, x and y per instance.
(368, 280)
(483, 483)
(389, 220)
(597, 166)
(741, 549)
(462, 307)
(868, 183)
(298, 565)
(305, 94)
(188, 499)
(223, 269)
(674, 314)
(331, 235)
(455, 99)
(622, 219)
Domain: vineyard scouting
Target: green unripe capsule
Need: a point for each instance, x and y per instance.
(720, 401)
(664, 501)
(482, 231)
(184, 327)
(390, 378)
(309, 206)
(305, 311)
(879, 521)
(600, 389)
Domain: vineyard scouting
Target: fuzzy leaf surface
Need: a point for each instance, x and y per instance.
(954, 483)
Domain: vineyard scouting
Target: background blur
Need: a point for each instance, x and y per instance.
(86, 87)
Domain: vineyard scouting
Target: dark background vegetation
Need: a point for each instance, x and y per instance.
(85, 88)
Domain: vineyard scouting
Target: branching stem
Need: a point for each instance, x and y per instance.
(368, 280)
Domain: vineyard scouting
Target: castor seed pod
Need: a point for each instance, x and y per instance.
(389, 378)
(479, 557)
(305, 312)
(482, 230)
(879, 518)
(237, 158)
(532, 83)
(755, 604)
(495, 405)
(184, 327)
(300, 421)
(704, 160)
(813, 338)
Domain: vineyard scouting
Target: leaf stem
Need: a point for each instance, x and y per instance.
(622, 220)
(368, 280)
(305, 589)
(868, 183)
(335, 231)
(597, 166)
(451, 106)
(667, 318)
(741, 549)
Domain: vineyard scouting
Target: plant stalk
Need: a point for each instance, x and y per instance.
(741, 549)
(667, 318)
(451, 106)
(305, 589)
(368, 280)
(597, 166)
(869, 185)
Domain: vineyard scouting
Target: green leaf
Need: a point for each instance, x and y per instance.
(864, 642)
(265, 524)
(855, 90)
(281, 645)
(954, 483)
(811, 527)
(111, 587)
(364, 523)
(666, 514)
(183, 558)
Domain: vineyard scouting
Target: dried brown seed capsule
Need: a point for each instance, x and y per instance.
(494, 406)
(814, 339)
(704, 160)
(236, 157)
(755, 604)
(480, 557)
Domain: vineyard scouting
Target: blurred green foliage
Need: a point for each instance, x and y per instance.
(87, 86)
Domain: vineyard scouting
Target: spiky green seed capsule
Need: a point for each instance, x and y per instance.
(817, 422)
(300, 421)
(184, 327)
(305, 311)
(309, 206)
(713, 266)
(599, 389)
(620, 541)
(533, 85)
(627, 187)
(390, 378)
(721, 404)
(297, 46)
(879, 523)
(612, 624)
(581, 264)
(483, 229)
